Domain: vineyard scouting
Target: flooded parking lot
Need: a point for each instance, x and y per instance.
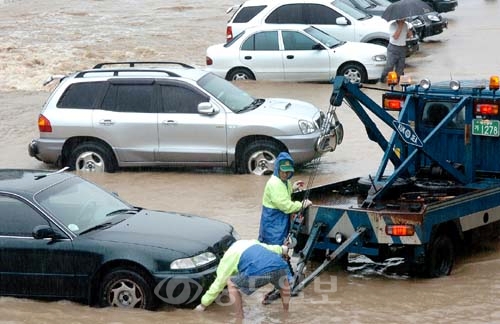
(39, 38)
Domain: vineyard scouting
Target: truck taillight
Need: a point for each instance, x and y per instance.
(229, 33)
(393, 101)
(209, 61)
(400, 230)
(486, 109)
(392, 104)
(44, 124)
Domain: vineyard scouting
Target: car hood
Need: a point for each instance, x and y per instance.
(187, 234)
(291, 107)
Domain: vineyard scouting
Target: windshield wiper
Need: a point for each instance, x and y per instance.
(134, 210)
(256, 103)
(100, 226)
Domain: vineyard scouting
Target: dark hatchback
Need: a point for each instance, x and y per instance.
(63, 237)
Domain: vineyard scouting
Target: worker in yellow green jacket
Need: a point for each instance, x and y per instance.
(246, 266)
(277, 203)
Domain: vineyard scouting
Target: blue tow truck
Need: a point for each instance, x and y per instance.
(443, 188)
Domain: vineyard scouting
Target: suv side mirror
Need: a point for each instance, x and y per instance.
(342, 21)
(206, 108)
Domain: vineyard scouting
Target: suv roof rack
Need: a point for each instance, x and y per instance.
(134, 63)
(116, 72)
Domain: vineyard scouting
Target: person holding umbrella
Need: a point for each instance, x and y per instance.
(399, 31)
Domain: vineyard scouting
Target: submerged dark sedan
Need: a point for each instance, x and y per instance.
(63, 237)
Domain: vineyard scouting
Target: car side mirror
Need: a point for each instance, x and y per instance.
(43, 231)
(318, 46)
(342, 21)
(206, 108)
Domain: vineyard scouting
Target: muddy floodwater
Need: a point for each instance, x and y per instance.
(39, 38)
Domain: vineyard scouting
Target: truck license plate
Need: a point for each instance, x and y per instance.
(485, 127)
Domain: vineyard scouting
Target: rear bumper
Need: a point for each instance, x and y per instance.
(48, 151)
(434, 29)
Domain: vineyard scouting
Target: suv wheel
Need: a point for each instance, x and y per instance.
(92, 157)
(258, 158)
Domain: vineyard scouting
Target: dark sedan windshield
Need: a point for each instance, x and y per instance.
(79, 204)
(231, 96)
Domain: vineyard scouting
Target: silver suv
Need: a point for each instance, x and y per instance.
(130, 114)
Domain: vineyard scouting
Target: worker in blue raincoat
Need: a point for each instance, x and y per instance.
(246, 266)
(277, 204)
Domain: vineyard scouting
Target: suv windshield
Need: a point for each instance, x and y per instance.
(233, 97)
(351, 11)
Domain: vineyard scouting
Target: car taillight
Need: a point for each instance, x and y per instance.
(229, 33)
(44, 124)
(400, 230)
(209, 61)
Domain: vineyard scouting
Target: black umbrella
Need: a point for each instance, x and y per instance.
(406, 8)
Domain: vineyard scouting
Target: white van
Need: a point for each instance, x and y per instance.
(336, 18)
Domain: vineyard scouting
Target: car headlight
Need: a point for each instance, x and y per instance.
(379, 58)
(193, 262)
(433, 17)
(306, 127)
(417, 23)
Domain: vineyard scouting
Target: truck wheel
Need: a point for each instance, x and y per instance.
(92, 157)
(258, 158)
(240, 74)
(440, 257)
(126, 289)
(353, 72)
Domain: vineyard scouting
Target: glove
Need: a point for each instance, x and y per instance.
(200, 308)
(306, 203)
(298, 185)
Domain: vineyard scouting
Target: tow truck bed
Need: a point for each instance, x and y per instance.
(444, 184)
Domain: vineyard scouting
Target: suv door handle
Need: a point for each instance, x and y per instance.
(248, 57)
(106, 122)
(290, 57)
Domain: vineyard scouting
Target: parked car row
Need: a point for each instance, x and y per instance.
(336, 18)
